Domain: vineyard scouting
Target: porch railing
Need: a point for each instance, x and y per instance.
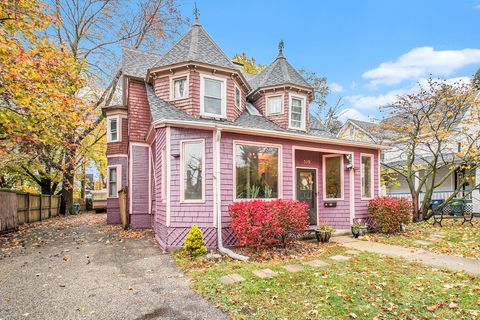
(436, 195)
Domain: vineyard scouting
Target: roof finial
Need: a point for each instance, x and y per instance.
(196, 13)
(281, 45)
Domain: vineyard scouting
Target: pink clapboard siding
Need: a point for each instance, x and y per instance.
(184, 215)
(140, 193)
(188, 213)
(113, 206)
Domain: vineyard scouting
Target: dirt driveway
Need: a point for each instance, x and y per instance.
(80, 268)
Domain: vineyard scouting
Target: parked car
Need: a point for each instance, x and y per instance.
(99, 200)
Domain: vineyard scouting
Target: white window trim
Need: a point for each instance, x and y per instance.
(274, 96)
(172, 88)
(118, 167)
(235, 88)
(182, 182)
(304, 111)
(202, 97)
(324, 177)
(280, 168)
(119, 128)
(372, 179)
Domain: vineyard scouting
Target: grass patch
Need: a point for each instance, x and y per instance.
(453, 238)
(365, 287)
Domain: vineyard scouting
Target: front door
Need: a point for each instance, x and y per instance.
(307, 192)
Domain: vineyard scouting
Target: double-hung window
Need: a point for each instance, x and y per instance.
(333, 177)
(113, 129)
(297, 112)
(274, 105)
(180, 89)
(193, 174)
(366, 171)
(213, 97)
(113, 181)
(256, 171)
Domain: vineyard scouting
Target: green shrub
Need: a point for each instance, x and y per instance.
(194, 244)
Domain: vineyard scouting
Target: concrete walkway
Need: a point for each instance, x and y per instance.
(435, 260)
(79, 268)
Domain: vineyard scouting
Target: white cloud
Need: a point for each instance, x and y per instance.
(420, 62)
(351, 113)
(363, 102)
(477, 7)
(335, 87)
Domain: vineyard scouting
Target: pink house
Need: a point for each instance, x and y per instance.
(196, 134)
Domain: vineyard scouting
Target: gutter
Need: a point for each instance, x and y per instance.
(264, 132)
(217, 199)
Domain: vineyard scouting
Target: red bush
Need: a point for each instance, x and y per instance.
(389, 213)
(260, 223)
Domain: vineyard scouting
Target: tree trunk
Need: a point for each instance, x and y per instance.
(68, 183)
(415, 206)
(83, 182)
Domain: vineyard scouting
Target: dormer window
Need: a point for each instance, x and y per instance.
(297, 112)
(213, 97)
(113, 128)
(180, 88)
(238, 97)
(274, 105)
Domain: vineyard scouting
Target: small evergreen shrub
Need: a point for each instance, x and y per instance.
(194, 244)
(260, 223)
(390, 213)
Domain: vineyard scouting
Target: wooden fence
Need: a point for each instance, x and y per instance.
(17, 208)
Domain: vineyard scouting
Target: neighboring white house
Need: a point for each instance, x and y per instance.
(368, 131)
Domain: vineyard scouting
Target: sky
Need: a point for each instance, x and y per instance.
(370, 51)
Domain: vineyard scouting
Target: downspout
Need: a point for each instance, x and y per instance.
(217, 198)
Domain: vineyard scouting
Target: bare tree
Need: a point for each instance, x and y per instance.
(94, 31)
(436, 132)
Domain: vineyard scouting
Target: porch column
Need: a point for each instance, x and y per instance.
(476, 193)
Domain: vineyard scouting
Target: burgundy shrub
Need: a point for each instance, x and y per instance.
(390, 213)
(260, 223)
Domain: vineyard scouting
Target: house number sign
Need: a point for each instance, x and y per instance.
(307, 161)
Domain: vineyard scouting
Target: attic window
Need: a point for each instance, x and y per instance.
(274, 105)
(180, 88)
(212, 100)
(297, 112)
(238, 97)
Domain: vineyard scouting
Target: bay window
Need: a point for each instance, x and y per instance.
(113, 128)
(256, 171)
(192, 170)
(366, 172)
(297, 112)
(180, 88)
(238, 97)
(333, 177)
(113, 180)
(212, 100)
(274, 105)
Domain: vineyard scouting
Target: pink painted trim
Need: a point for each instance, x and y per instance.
(352, 190)
(280, 167)
(172, 88)
(182, 180)
(118, 167)
(372, 178)
(324, 177)
(168, 175)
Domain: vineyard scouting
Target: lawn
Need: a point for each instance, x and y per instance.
(453, 238)
(365, 287)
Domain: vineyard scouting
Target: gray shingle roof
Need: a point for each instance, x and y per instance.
(135, 63)
(316, 128)
(365, 125)
(197, 46)
(277, 73)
